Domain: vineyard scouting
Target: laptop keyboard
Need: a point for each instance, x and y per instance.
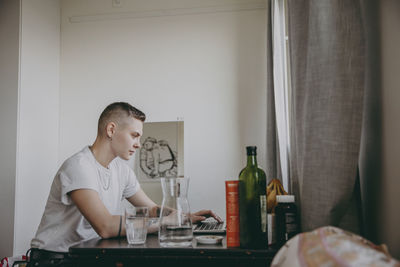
(209, 227)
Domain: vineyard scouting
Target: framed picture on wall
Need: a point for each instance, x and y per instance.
(161, 151)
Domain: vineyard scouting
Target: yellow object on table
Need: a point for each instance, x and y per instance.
(274, 189)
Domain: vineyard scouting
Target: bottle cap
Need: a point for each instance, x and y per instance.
(251, 150)
(285, 199)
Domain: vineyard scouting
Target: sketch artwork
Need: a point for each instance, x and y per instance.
(161, 153)
(157, 159)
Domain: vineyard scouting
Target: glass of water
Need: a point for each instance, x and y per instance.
(136, 224)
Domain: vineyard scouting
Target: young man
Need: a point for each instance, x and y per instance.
(86, 194)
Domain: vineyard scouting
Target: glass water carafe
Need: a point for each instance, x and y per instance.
(175, 222)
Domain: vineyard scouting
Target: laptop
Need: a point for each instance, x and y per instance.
(209, 226)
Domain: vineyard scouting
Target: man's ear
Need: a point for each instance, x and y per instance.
(110, 129)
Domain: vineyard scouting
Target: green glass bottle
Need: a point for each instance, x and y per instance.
(252, 203)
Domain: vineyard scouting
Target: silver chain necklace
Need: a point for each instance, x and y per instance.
(104, 183)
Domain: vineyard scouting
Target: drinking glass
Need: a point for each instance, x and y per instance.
(136, 224)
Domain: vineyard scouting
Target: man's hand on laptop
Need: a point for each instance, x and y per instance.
(201, 215)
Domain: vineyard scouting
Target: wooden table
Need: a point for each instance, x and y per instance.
(117, 252)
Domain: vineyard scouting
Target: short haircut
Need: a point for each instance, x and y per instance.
(116, 112)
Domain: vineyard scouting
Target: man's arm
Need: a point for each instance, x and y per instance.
(93, 209)
(140, 199)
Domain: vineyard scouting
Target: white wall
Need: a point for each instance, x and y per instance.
(390, 43)
(37, 149)
(208, 68)
(9, 59)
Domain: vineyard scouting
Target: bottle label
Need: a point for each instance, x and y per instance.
(291, 224)
(263, 209)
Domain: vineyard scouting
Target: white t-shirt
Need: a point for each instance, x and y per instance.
(62, 224)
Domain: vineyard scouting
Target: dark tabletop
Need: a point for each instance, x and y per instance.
(117, 252)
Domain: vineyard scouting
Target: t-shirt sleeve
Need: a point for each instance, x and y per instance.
(76, 176)
(132, 185)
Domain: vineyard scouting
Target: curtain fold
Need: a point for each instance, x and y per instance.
(327, 55)
(370, 161)
(281, 86)
(273, 168)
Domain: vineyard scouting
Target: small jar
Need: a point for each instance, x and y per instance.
(287, 223)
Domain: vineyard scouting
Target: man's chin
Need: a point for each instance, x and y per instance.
(126, 157)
